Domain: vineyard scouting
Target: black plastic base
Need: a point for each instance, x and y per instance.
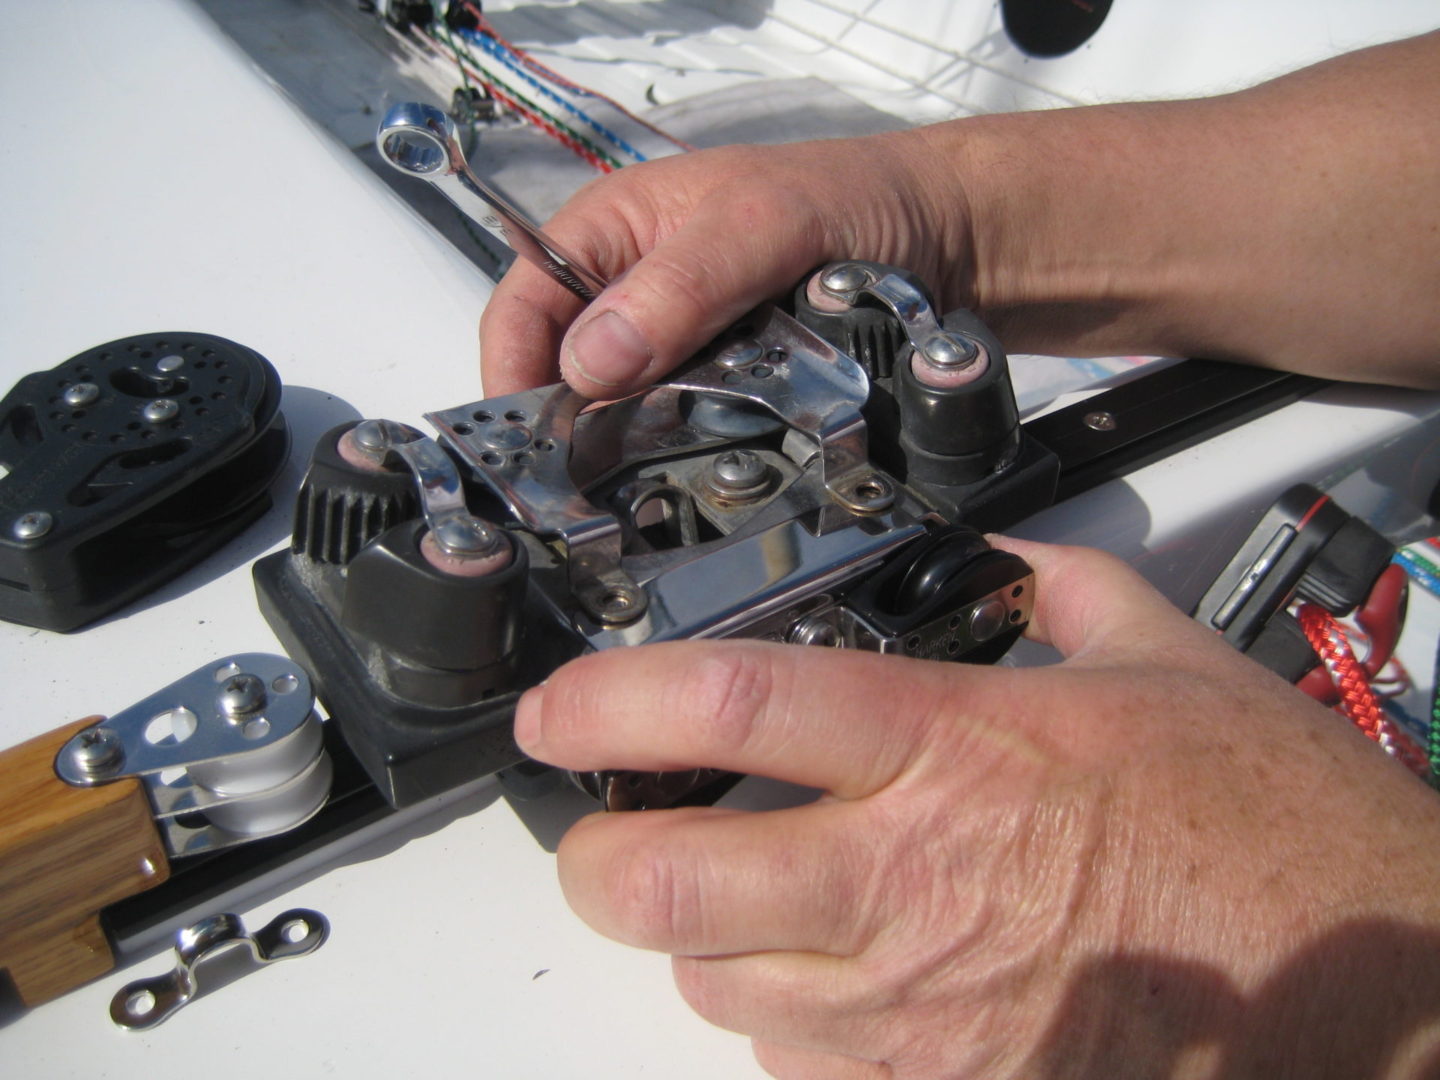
(411, 751)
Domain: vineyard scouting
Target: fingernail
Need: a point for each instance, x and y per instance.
(527, 718)
(608, 350)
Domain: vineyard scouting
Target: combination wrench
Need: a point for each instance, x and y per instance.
(420, 141)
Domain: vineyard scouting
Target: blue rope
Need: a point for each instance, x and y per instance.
(1419, 569)
(506, 57)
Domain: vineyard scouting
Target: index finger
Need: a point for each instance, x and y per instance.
(849, 722)
(521, 329)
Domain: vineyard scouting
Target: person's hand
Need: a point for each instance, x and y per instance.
(691, 243)
(1152, 859)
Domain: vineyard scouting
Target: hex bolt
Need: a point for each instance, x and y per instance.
(739, 354)
(168, 364)
(241, 695)
(96, 751)
(81, 394)
(32, 525)
(160, 410)
(1100, 421)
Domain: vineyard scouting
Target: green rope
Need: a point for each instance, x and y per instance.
(560, 125)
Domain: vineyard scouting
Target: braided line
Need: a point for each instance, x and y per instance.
(1357, 697)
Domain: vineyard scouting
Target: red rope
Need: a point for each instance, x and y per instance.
(487, 27)
(1357, 697)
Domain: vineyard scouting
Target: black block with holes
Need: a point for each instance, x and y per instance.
(126, 464)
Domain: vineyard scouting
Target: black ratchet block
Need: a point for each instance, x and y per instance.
(127, 464)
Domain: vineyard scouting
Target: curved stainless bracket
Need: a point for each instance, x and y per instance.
(146, 1003)
(520, 446)
(438, 485)
(816, 389)
(930, 340)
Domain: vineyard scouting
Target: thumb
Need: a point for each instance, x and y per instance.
(729, 255)
(1092, 606)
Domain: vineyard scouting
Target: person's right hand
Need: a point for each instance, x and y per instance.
(691, 243)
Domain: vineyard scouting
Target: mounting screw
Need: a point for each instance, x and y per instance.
(738, 475)
(96, 751)
(1100, 421)
(950, 351)
(32, 525)
(739, 354)
(168, 364)
(988, 619)
(506, 436)
(368, 444)
(844, 278)
(465, 535)
(81, 394)
(160, 410)
(241, 695)
(814, 630)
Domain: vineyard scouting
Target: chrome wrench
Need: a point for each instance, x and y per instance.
(419, 140)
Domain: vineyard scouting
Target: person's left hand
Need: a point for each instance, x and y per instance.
(1090, 869)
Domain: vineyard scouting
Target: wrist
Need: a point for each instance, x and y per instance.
(1074, 241)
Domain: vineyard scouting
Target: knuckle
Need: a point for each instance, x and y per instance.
(674, 282)
(726, 693)
(654, 899)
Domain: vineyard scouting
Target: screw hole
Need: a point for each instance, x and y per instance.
(515, 416)
(484, 417)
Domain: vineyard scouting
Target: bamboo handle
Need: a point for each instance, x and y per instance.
(65, 853)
